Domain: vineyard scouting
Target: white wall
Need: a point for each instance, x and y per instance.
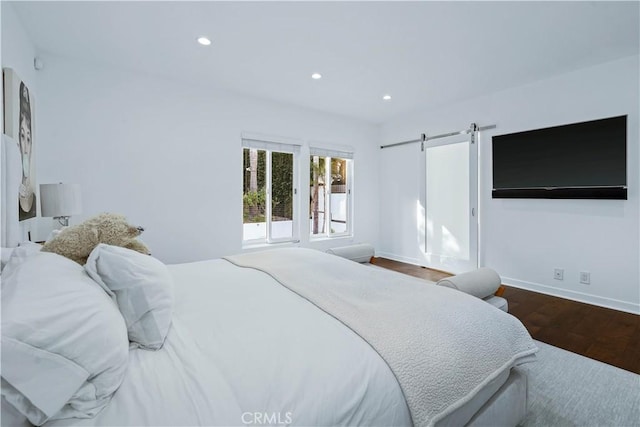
(168, 154)
(17, 49)
(18, 53)
(524, 240)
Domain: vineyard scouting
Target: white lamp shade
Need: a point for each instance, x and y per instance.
(60, 200)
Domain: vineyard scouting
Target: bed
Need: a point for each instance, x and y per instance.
(286, 337)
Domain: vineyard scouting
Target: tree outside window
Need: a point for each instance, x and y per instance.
(268, 194)
(330, 196)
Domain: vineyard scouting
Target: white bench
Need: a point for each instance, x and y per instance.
(482, 283)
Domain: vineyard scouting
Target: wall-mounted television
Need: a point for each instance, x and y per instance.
(586, 160)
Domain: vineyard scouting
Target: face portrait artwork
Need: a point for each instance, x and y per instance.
(26, 196)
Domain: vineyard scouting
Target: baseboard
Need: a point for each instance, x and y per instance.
(400, 258)
(574, 295)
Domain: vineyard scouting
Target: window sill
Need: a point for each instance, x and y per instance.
(264, 245)
(330, 238)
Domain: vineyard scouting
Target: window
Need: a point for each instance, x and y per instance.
(330, 177)
(269, 191)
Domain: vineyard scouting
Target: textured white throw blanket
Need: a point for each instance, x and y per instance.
(442, 345)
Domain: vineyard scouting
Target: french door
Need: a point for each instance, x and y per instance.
(451, 203)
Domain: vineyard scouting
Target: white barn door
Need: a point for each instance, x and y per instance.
(451, 203)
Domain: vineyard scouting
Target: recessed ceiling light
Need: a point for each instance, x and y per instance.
(387, 97)
(316, 76)
(204, 41)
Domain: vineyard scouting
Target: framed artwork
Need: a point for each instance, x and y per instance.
(19, 126)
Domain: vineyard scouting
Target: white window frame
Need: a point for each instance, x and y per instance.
(278, 145)
(328, 154)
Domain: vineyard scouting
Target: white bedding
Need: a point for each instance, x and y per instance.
(243, 349)
(442, 345)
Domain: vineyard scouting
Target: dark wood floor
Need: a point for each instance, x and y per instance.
(410, 269)
(599, 333)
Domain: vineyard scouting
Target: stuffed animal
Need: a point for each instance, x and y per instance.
(78, 241)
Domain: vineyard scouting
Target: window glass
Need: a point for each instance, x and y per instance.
(329, 196)
(317, 206)
(339, 196)
(281, 195)
(269, 191)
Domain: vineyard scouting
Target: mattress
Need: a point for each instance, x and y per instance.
(243, 349)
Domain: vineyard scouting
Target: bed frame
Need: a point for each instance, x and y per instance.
(503, 403)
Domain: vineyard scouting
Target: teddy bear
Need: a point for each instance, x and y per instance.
(77, 242)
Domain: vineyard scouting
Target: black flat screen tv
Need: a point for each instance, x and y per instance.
(586, 160)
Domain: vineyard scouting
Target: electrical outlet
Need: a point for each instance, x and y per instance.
(558, 274)
(585, 277)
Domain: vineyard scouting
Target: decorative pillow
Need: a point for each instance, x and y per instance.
(480, 283)
(77, 241)
(64, 342)
(142, 288)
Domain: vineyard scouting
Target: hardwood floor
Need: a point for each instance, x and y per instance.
(599, 333)
(410, 269)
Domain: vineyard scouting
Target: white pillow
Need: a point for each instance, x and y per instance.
(64, 342)
(142, 287)
(54, 233)
(5, 255)
(26, 249)
(11, 417)
(15, 256)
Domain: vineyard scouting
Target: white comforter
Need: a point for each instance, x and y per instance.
(245, 350)
(443, 345)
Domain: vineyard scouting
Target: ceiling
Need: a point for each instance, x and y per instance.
(424, 54)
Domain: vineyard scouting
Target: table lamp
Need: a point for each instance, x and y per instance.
(60, 201)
